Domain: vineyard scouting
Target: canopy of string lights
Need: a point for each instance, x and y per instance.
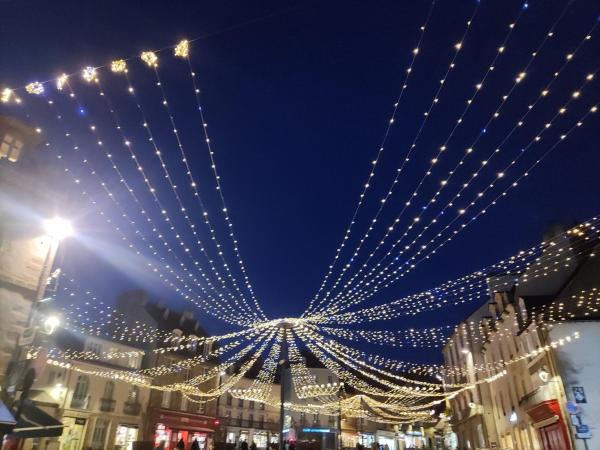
(114, 133)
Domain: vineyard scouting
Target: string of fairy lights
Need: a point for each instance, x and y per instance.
(469, 151)
(153, 214)
(442, 149)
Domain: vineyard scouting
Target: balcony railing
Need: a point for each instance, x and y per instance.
(80, 402)
(132, 409)
(107, 404)
(245, 423)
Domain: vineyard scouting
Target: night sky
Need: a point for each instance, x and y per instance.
(297, 96)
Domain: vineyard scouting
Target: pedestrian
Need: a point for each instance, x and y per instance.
(386, 447)
(244, 445)
(195, 444)
(287, 444)
(160, 446)
(253, 446)
(181, 445)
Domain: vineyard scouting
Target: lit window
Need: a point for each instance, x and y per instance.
(10, 148)
(166, 399)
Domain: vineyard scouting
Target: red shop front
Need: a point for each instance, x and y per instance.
(548, 420)
(172, 426)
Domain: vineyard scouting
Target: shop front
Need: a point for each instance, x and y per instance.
(349, 439)
(172, 426)
(548, 420)
(386, 438)
(317, 438)
(366, 439)
(414, 439)
(73, 434)
(125, 436)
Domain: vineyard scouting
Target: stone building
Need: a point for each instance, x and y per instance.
(27, 248)
(248, 420)
(522, 334)
(98, 409)
(171, 415)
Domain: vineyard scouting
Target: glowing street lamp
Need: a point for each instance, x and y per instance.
(51, 324)
(58, 228)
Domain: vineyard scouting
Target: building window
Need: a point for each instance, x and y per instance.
(133, 361)
(81, 388)
(261, 406)
(51, 377)
(109, 389)
(251, 419)
(134, 394)
(251, 404)
(10, 148)
(184, 403)
(166, 399)
(241, 402)
(229, 399)
(202, 408)
(95, 348)
(99, 435)
(330, 379)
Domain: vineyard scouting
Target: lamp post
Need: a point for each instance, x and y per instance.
(285, 325)
(340, 392)
(56, 229)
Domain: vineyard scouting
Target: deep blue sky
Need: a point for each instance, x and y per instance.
(297, 97)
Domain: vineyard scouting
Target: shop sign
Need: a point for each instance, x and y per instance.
(579, 394)
(27, 336)
(587, 435)
(583, 431)
(316, 430)
(573, 408)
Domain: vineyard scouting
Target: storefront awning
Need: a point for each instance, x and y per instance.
(35, 423)
(7, 421)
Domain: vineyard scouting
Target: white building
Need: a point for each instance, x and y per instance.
(98, 412)
(544, 399)
(248, 420)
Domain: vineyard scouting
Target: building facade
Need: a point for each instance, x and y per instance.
(249, 420)
(27, 249)
(173, 415)
(539, 402)
(98, 411)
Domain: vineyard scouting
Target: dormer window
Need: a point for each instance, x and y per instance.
(176, 334)
(10, 147)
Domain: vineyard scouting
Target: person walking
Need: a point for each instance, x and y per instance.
(253, 446)
(195, 444)
(244, 445)
(160, 446)
(181, 445)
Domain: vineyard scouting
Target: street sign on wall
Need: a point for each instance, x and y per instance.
(579, 394)
(27, 336)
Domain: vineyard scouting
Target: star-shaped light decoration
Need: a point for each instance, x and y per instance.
(182, 50)
(89, 74)
(150, 58)
(61, 81)
(35, 88)
(118, 66)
